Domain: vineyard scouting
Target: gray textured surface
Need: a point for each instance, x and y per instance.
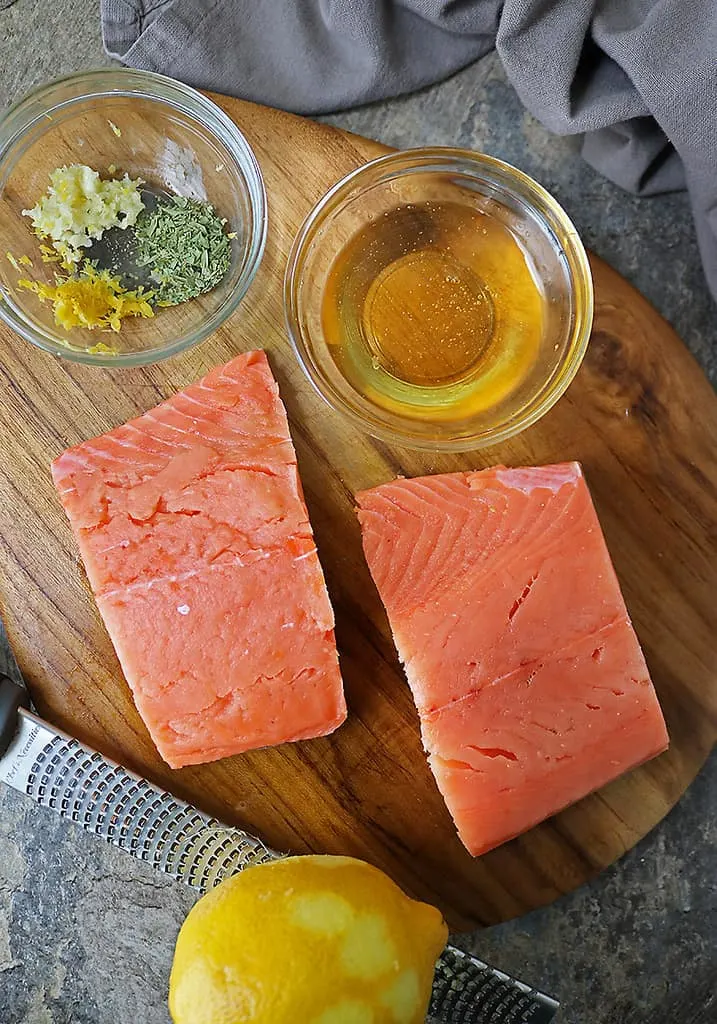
(86, 933)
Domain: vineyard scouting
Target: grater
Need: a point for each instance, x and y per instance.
(108, 800)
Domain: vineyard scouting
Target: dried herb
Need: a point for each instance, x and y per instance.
(183, 243)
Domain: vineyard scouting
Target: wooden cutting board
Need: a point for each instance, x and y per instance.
(641, 418)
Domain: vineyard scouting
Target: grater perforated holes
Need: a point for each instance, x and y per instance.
(136, 816)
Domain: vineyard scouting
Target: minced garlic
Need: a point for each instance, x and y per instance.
(91, 299)
(79, 206)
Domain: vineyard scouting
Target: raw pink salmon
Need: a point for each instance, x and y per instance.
(196, 540)
(529, 680)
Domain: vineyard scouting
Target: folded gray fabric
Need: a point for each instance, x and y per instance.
(636, 78)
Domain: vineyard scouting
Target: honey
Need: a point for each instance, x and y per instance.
(434, 310)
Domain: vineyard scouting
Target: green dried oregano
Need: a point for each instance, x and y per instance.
(184, 244)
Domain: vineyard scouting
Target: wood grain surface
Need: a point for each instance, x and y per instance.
(641, 418)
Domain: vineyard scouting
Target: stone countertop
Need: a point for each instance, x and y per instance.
(87, 933)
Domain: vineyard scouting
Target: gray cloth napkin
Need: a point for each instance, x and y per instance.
(636, 78)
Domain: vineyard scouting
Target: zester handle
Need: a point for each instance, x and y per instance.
(12, 698)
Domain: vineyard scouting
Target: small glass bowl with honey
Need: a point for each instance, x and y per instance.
(440, 298)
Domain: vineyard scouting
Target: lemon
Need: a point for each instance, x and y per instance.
(306, 940)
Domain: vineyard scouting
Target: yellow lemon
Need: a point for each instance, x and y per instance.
(306, 940)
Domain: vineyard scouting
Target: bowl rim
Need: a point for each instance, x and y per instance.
(448, 157)
(104, 83)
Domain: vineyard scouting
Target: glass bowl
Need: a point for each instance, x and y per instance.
(415, 219)
(150, 127)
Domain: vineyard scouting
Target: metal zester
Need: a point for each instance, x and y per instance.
(114, 803)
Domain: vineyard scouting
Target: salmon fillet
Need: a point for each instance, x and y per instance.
(193, 530)
(529, 680)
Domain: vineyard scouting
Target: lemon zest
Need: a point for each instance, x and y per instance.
(101, 349)
(91, 299)
(49, 255)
